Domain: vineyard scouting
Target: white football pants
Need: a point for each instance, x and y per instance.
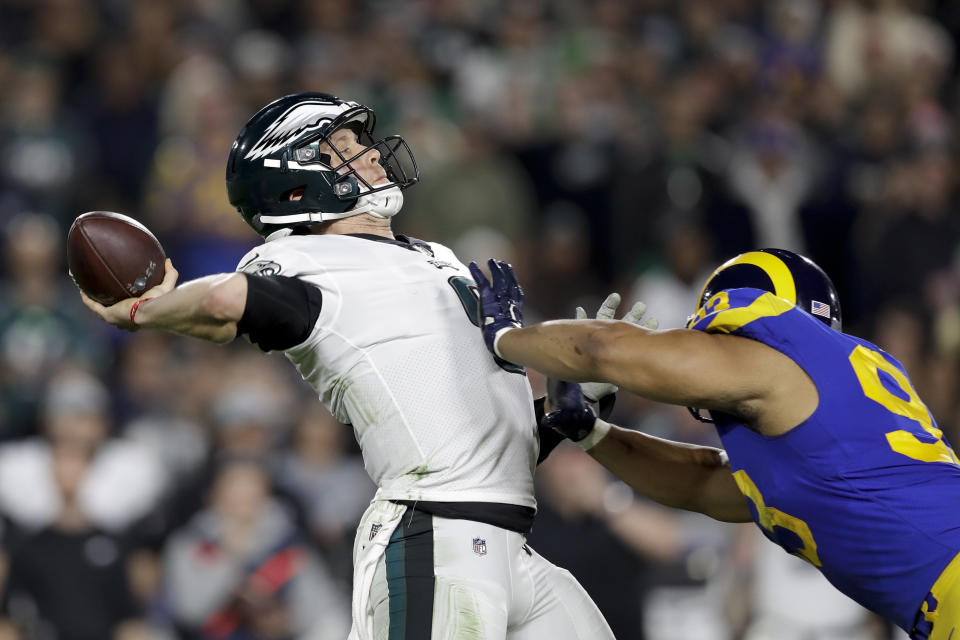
(445, 579)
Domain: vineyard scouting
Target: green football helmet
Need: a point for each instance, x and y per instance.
(279, 152)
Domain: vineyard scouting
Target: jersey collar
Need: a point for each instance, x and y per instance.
(398, 240)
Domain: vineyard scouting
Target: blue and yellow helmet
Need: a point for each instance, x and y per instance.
(786, 274)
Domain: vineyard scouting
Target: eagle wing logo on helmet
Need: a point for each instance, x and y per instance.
(293, 123)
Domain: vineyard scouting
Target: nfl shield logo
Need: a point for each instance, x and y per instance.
(374, 530)
(480, 546)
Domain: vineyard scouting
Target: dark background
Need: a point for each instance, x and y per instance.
(624, 145)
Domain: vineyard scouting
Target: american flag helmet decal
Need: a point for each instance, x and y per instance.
(821, 309)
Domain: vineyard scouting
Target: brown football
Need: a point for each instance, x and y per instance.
(112, 256)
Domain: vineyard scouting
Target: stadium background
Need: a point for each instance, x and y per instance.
(153, 487)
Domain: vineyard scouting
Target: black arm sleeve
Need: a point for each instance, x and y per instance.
(280, 311)
(549, 438)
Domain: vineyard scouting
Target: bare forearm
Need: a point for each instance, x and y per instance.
(674, 474)
(207, 308)
(679, 366)
(561, 349)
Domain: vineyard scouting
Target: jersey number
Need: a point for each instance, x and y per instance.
(466, 290)
(868, 364)
(719, 302)
(770, 517)
(469, 297)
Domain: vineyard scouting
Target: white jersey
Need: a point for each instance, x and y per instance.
(396, 354)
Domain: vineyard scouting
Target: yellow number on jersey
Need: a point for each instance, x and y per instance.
(718, 302)
(868, 364)
(770, 517)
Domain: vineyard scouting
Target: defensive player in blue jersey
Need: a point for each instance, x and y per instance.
(828, 448)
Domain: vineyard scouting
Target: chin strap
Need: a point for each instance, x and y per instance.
(382, 204)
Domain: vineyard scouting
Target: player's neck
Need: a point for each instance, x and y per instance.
(361, 223)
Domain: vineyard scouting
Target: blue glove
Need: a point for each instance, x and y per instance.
(501, 303)
(570, 414)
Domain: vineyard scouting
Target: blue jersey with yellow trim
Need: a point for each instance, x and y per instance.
(866, 488)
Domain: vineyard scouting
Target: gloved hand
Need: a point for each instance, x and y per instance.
(596, 390)
(569, 414)
(501, 303)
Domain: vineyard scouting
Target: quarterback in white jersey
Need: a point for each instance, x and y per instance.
(395, 352)
(384, 328)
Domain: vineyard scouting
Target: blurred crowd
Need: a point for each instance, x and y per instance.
(155, 488)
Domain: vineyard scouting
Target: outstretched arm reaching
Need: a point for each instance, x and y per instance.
(274, 312)
(675, 474)
(207, 308)
(720, 372)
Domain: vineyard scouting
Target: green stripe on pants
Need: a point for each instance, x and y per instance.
(410, 578)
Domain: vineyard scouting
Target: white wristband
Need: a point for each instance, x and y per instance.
(496, 340)
(599, 432)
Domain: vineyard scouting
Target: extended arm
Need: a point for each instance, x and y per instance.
(720, 372)
(274, 312)
(680, 366)
(207, 308)
(675, 474)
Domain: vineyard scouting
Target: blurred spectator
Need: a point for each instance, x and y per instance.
(41, 146)
(239, 570)
(261, 59)
(185, 200)
(332, 486)
(772, 173)
(70, 497)
(121, 481)
(560, 279)
(248, 416)
(872, 42)
(41, 324)
(154, 410)
(68, 579)
(671, 290)
(922, 240)
(122, 120)
(479, 186)
(249, 420)
(680, 173)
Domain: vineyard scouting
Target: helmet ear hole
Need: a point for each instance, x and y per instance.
(293, 194)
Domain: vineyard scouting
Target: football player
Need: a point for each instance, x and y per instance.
(831, 451)
(384, 328)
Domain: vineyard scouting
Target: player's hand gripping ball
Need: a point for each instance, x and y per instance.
(113, 257)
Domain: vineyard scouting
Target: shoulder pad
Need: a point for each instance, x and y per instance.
(260, 262)
(284, 256)
(442, 251)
